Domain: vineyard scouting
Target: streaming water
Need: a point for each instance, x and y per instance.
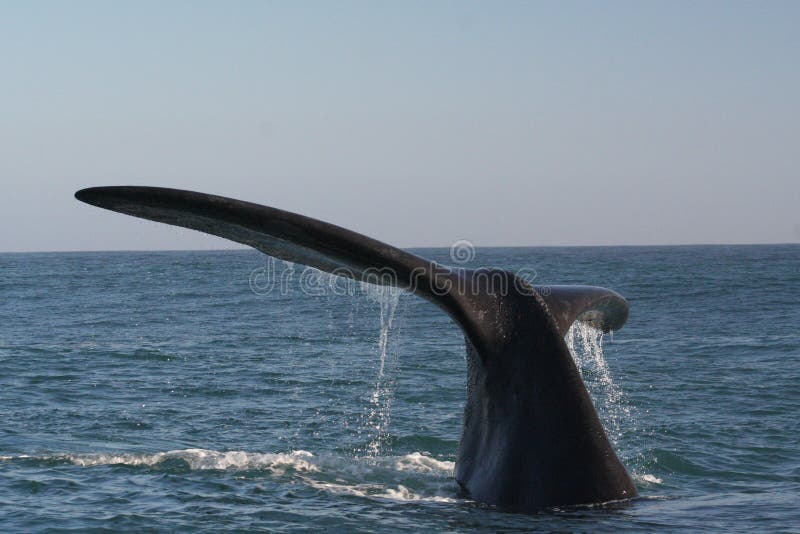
(619, 419)
(585, 343)
(379, 409)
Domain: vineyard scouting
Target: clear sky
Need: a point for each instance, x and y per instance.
(418, 123)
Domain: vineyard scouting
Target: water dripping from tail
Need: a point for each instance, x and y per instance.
(586, 346)
(379, 408)
(616, 413)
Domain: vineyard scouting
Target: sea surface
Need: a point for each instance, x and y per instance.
(182, 391)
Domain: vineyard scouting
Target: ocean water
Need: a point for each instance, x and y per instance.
(177, 391)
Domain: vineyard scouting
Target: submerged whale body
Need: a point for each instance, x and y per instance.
(531, 438)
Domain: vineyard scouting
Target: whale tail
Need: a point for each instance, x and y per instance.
(531, 436)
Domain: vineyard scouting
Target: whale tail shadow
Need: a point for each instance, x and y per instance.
(531, 437)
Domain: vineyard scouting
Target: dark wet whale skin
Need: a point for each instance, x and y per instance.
(531, 437)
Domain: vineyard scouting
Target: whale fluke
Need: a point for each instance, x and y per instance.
(599, 307)
(531, 438)
(282, 234)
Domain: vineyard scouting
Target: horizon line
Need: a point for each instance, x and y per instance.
(426, 247)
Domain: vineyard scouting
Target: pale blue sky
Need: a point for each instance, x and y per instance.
(418, 123)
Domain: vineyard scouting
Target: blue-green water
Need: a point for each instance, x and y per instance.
(158, 391)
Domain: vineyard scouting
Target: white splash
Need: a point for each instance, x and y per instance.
(420, 463)
(203, 459)
(650, 479)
